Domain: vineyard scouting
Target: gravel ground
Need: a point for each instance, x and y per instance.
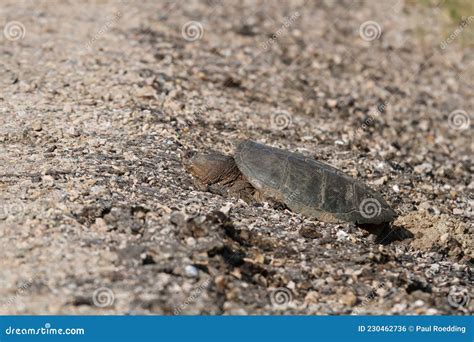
(99, 99)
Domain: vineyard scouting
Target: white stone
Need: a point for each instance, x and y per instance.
(191, 271)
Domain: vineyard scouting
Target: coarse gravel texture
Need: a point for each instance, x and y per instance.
(99, 99)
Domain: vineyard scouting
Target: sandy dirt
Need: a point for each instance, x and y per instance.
(99, 99)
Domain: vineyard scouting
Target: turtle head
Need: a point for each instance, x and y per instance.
(209, 168)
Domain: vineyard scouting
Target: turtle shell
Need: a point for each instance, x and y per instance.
(310, 187)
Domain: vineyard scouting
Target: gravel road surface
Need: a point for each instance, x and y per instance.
(99, 99)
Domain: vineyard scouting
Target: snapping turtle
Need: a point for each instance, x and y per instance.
(258, 172)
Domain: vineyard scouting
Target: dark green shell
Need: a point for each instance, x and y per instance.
(310, 187)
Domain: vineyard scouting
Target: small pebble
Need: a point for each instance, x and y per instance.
(36, 126)
(177, 218)
(341, 235)
(73, 132)
(226, 209)
(332, 103)
(348, 299)
(191, 271)
(423, 168)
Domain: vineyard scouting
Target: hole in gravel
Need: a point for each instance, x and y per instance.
(416, 285)
(201, 267)
(82, 300)
(230, 257)
(248, 270)
(148, 260)
(387, 233)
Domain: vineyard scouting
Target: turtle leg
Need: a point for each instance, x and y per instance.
(238, 189)
(275, 204)
(218, 189)
(243, 190)
(386, 233)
